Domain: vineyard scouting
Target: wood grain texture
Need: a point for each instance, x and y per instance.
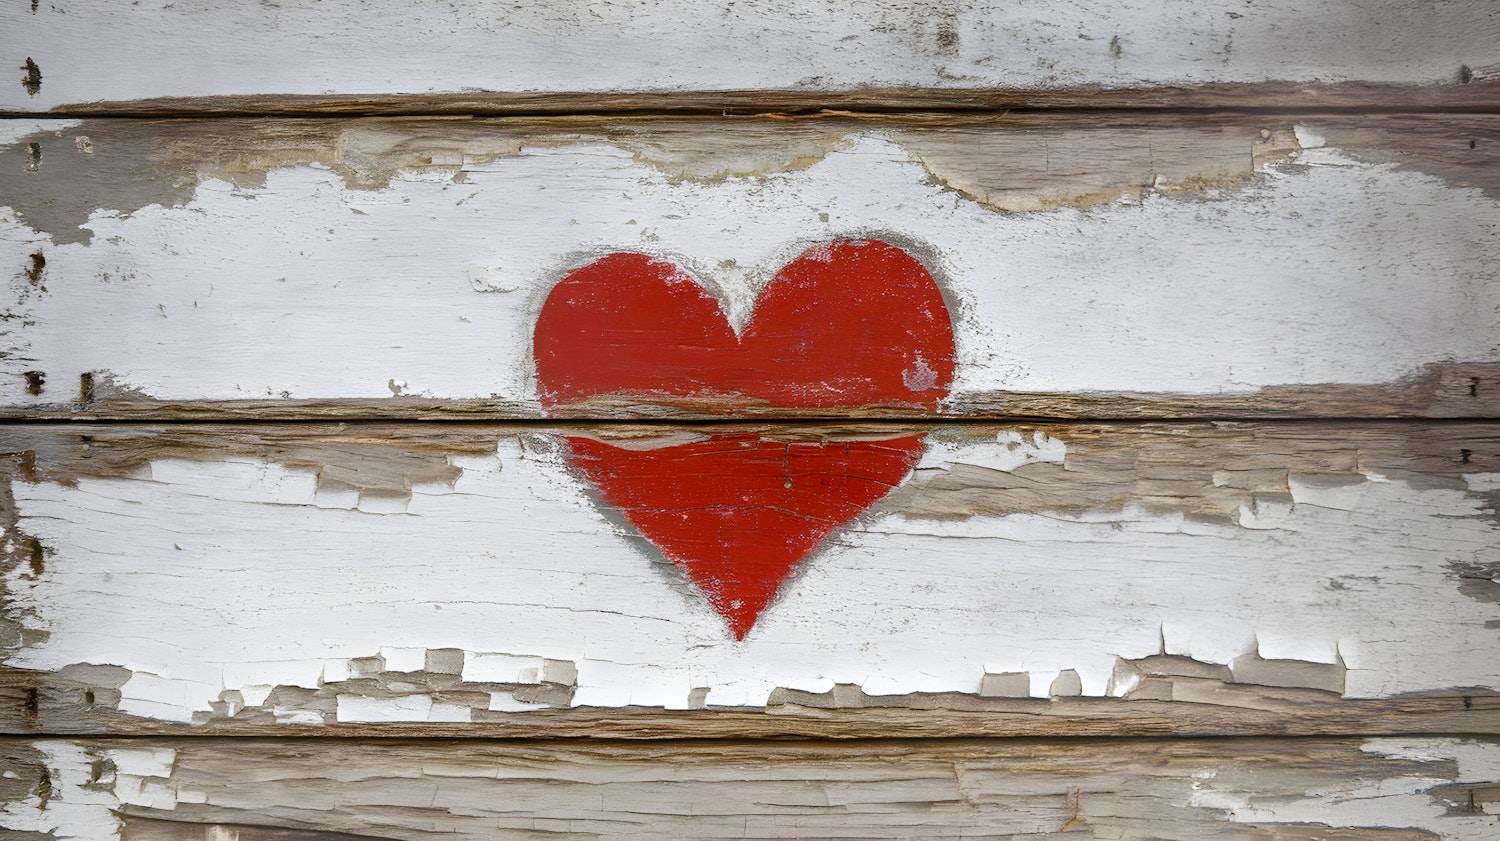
(1175, 696)
(1477, 96)
(281, 790)
(276, 251)
(265, 573)
(80, 55)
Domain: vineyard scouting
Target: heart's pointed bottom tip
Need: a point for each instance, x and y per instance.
(740, 620)
(741, 625)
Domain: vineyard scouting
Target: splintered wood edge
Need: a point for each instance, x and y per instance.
(1476, 96)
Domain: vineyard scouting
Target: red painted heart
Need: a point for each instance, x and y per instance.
(850, 324)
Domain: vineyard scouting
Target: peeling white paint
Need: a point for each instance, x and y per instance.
(1392, 802)
(77, 810)
(354, 708)
(1343, 495)
(1321, 270)
(1012, 449)
(534, 585)
(13, 129)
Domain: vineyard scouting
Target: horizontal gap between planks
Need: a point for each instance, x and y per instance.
(1246, 98)
(21, 419)
(1472, 716)
(657, 744)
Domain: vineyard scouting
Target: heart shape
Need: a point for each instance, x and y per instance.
(850, 324)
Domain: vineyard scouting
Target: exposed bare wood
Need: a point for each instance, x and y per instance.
(1105, 462)
(290, 790)
(1288, 97)
(80, 701)
(1355, 520)
(1013, 161)
(1444, 390)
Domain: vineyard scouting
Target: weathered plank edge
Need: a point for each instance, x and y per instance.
(287, 789)
(290, 790)
(36, 704)
(1442, 390)
(1475, 96)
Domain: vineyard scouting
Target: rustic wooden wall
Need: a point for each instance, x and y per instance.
(1021, 418)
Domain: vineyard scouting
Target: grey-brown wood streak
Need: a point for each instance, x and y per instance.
(1176, 467)
(1441, 390)
(1051, 159)
(1466, 94)
(1179, 697)
(298, 790)
(1207, 471)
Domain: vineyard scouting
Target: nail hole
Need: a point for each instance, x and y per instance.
(32, 81)
(34, 381)
(1465, 75)
(34, 273)
(1472, 144)
(1468, 702)
(88, 697)
(1463, 456)
(31, 705)
(1473, 386)
(33, 157)
(86, 387)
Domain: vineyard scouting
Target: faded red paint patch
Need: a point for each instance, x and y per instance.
(854, 323)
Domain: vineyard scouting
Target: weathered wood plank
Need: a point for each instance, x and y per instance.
(1334, 266)
(163, 790)
(274, 574)
(1478, 96)
(68, 54)
(1176, 696)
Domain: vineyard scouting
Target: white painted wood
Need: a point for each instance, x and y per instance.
(217, 580)
(1399, 803)
(115, 51)
(315, 284)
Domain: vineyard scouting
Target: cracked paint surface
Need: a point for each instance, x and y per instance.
(1330, 561)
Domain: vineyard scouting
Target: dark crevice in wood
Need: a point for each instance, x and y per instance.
(371, 737)
(792, 421)
(1458, 392)
(1236, 97)
(1248, 711)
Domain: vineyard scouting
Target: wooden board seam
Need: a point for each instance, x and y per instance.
(1227, 98)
